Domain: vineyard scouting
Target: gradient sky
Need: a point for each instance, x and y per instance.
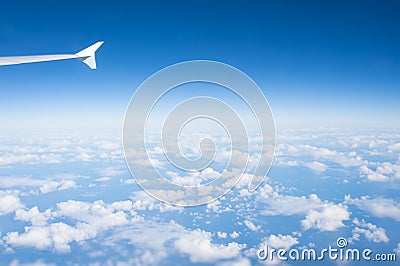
(319, 63)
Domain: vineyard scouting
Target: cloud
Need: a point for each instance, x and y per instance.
(251, 226)
(56, 236)
(371, 232)
(34, 216)
(36, 263)
(379, 207)
(281, 241)
(222, 234)
(303, 151)
(152, 240)
(103, 179)
(204, 250)
(321, 215)
(110, 171)
(372, 175)
(125, 205)
(278, 204)
(11, 182)
(329, 218)
(316, 166)
(57, 186)
(394, 147)
(142, 201)
(234, 234)
(91, 218)
(60, 150)
(9, 202)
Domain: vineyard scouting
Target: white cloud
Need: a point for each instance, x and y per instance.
(151, 240)
(384, 172)
(91, 218)
(315, 166)
(125, 205)
(234, 234)
(56, 236)
(281, 241)
(371, 232)
(222, 234)
(34, 216)
(35, 263)
(142, 201)
(110, 171)
(372, 175)
(325, 154)
(329, 218)
(321, 215)
(379, 207)
(9, 202)
(394, 147)
(277, 204)
(11, 182)
(57, 186)
(251, 226)
(102, 179)
(204, 250)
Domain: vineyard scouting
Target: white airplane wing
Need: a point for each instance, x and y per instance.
(87, 56)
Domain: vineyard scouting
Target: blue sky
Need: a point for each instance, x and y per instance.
(319, 63)
(70, 198)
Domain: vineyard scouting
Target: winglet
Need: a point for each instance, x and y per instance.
(87, 55)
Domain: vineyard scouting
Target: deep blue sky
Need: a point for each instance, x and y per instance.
(320, 63)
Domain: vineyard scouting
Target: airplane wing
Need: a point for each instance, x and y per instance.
(87, 56)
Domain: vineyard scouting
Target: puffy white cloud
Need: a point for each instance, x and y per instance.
(204, 250)
(142, 201)
(281, 241)
(34, 216)
(125, 205)
(371, 232)
(372, 175)
(329, 218)
(9, 202)
(222, 234)
(379, 207)
(321, 215)
(234, 234)
(384, 172)
(56, 236)
(91, 218)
